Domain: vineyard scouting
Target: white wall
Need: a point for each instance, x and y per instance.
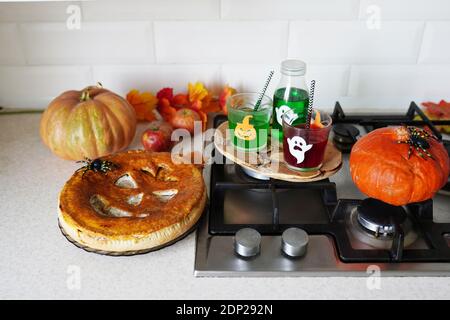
(362, 61)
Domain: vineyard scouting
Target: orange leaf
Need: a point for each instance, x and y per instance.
(212, 106)
(143, 103)
(226, 92)
(180, 100)
(196, 105)
(166, 110)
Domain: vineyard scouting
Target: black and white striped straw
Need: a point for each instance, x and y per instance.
(310, 105)
(258, 103)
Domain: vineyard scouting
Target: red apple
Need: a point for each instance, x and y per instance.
(184, 119)
(157, 136)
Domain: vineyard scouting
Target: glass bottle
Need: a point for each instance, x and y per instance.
(291, 93)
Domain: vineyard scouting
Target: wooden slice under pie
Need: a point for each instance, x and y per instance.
(145, 203)
(271, 163)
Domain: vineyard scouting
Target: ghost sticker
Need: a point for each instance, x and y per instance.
(282, 110)
(298, 147)
(245, 130)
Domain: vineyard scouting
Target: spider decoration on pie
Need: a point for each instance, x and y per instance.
(417, 139)
(96, 165)
(144, 203)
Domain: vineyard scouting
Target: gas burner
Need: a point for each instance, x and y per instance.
(345, 136)
(376, 223)
(379, 217)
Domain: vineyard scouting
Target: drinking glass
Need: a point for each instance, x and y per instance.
(304, 148)
(249, 126)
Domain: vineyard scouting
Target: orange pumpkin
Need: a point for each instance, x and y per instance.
(381, 169)
(89, 123)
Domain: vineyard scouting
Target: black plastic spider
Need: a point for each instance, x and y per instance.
(96, 165)
(418, 140)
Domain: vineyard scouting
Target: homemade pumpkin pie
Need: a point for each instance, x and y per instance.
(145, 201)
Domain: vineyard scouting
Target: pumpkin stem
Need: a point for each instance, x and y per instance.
(99, 85)
(85, 95)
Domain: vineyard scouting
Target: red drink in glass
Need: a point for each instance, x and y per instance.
(304, 148)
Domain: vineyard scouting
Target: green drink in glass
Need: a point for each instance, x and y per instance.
(249, 128)
(291, 94)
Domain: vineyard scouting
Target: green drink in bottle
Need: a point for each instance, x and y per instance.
(291, 94)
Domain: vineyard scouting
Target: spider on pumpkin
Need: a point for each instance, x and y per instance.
(417, 139)
(96, 165)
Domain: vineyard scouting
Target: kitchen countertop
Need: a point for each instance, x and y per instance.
(37, 262)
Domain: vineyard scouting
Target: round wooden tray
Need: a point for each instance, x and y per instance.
(271, 164)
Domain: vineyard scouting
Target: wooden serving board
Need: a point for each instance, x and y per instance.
(271, 164)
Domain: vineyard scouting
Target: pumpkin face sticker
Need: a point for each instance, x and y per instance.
(245, 130)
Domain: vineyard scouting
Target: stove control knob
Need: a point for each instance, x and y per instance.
(247, 242)
(294, 242)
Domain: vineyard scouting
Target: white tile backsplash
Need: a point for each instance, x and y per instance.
(406, 9)
(35, 87)
(353, 42)
(395, 86)
(117, 10)
(368, 54)
(151, 78)
(93, 43)
(436, 43)
(11, 52)
(220, 42)
(37, 11)
(289, 9)
(331, 80)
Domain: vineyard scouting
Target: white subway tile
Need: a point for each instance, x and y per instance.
(250, 78)
(11, 51)
(436, 44)
(220, 42)
(152, 78)
(35, 87)
(395, 86)
(100, 43)
(331, 80)
(352, 42)
(48, 11)
(376, 105)
(114, 10)
(290, 9)
(405, 9)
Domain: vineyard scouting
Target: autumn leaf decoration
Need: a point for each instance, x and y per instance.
(438, 111)
(144, 104)
(227, 91)
(166, 103)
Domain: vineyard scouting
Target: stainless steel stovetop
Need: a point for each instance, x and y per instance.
(215, 251)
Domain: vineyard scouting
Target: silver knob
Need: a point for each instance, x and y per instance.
(247, 242)
(294, 242)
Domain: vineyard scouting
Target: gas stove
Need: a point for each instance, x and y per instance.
(265, 227)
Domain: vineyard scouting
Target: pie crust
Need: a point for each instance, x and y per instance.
(146, 202)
